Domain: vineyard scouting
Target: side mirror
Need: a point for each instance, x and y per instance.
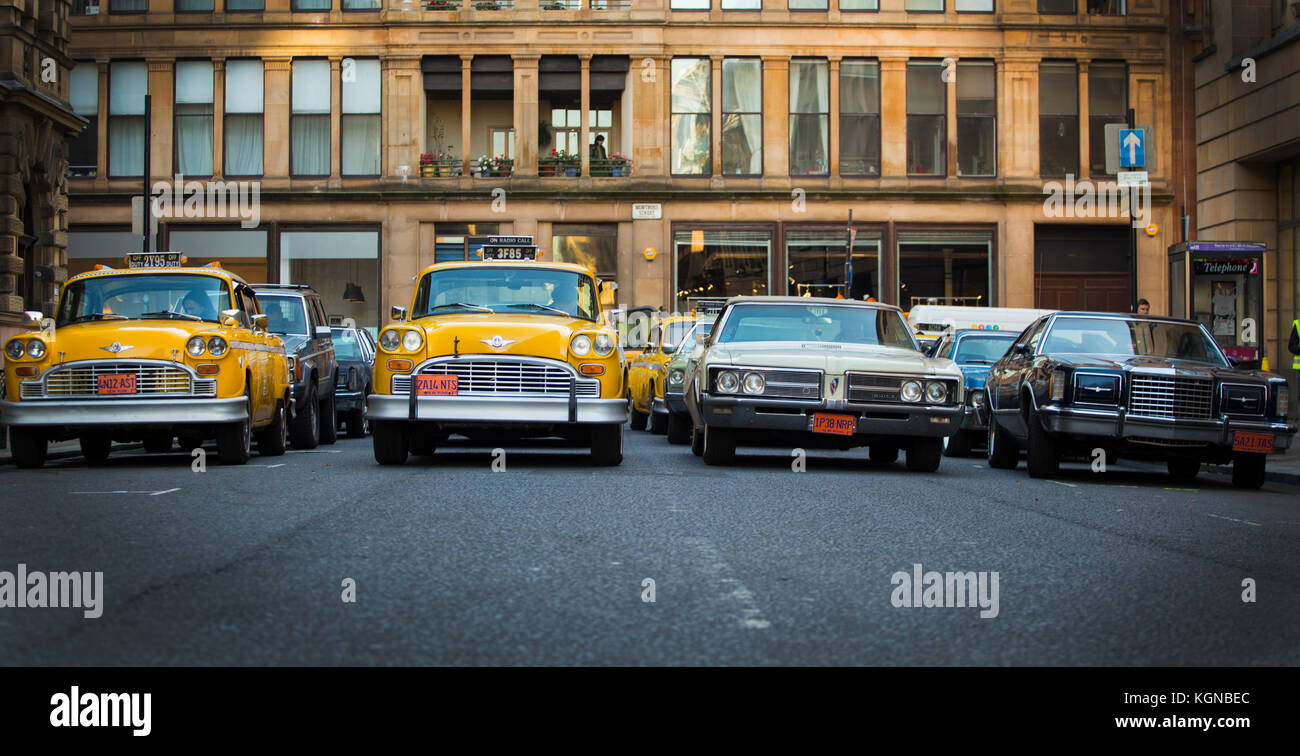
(32, 319)
(702, 338)
(399, 313)
(229, 317)
(260, 321)
(609, 285)
(323, 332)
(1020, 349)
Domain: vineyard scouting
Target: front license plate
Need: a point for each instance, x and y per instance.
(839, 425)
(437, 385)
(1252, 442)
(118, 383)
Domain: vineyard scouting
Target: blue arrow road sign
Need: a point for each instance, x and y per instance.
(1132, 148)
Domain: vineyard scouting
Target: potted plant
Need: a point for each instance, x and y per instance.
(618, 164)
(548, 165)
(568, 162)
(486, 5)
(553, 5)
(442, 5)
(428, 165)
(495, 166)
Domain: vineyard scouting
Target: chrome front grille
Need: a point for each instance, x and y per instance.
(873, 388)
(1171, 398)
(791, 384)
(504, 377)
(80, 380)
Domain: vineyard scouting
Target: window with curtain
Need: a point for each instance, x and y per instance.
(692, 98)
(742, 116)
(924, 5)
(807, 5)
(359, 122)
(592, 244)
(860, 117)
(809, 117)
(311, 5)
(977, 110)
(127, 84)
(245, 5)
(193, 116)
(309, 121)
(1107, 103)
(690, 4)
(193, 6)
(243, 122)
(83, 94)
(859, 5)
(128, 6)
(1106, 7)
(1058, 119)
(979, 6)
(742, 4)
(927, 127)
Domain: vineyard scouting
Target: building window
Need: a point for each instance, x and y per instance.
(592, 244)
(809, 117)
(859, 5)
(314, 6)
(691, 4)
(193, 116)
(924, 5)
(720, 263)
(245, 5)
(860, 117)
(1058, 119)
(362, 5)
(1056, 6)
(1107, 103)
(815, 263)
(83, 94)
(742, 4)
(948, 268)
(815, 5)
(927, 129)
(240, 251)
(309, 123)
(976, 120)
(84, 8)
(502, 139)
(359, 123)
(330, 261)
(1106, 7)
(566, 128)
(457, 242)
(243, 122)
(974, 6)
(194, 6)
(128, 6)
(127, 84)
(692, 96)
(742, 117)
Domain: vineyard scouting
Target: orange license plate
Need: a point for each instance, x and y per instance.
(118, 383)
(437, 385)
(839, 425)
(1252, 442)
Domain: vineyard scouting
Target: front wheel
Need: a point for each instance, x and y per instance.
(305, 431)
(679, 428)
(1248, 469)
(924, 454)
(329, 421)
(958, 444)
(272, 440)
(1003, 454)
(607, 445)
(697, 441)
(235, 440)
(390, 442)
(658, 423)
(96, 446)
(638, 418)
(719, 446)
(1043, 459)
(29, 447)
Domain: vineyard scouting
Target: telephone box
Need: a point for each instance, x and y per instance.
(1221, 284)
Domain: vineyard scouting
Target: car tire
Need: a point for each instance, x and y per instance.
(679, 428)
(390, 442)
(158, 443)
(28, 446)
(422, 446)
(329, 421)
(883, 454)
(719, 446)
(697, 441)
(607, 444)
(659, 423)
(1183, 468)
(1248, 469)
(1042, 458)
(305, 431)
(96, 446)
(924, 454)
(235, 440)
(272, 440)
(1003, 453)
(958, 444)
(636, 418)
(355, 422)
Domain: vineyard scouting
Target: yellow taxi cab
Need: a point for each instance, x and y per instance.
(647, 373)
(148, 353)
(504, 348)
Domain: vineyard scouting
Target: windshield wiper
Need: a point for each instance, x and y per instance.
(96, 316)
(540, 307)
(173, 315)
(480, 308)
(978, 362)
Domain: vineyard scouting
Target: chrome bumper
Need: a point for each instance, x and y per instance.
(491, 410)
(179, 411)
(658, 406)
(1112, 424)
(797, 415)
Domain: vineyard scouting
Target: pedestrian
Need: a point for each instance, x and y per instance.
(1144, 307)
(1293, 345)
(598, 149)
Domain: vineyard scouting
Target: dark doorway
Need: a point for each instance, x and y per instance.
(1081, 268)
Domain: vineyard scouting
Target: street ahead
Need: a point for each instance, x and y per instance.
(544, 562)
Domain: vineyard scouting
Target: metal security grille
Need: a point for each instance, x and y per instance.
(1173, 398)
(504, 377)
(873, 388)
(81, 380)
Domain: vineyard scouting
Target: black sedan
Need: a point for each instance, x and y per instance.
(355, 350)
(1133, 386)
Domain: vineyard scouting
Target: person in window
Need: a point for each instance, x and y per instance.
(196, 303)
(598, 149)
(1144, 307)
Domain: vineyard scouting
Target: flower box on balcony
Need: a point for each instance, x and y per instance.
(442, 5)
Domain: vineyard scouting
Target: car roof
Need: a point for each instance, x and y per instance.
(302, 289)
(574, 267)
(106, 272)
(958, 332)
(771, 299)
(1124, 316)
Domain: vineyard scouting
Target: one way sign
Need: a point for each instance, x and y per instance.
(1127, 149)
(1132, 148)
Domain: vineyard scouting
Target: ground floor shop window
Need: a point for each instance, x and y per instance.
(815, 264)
(342, 266)
(948, 268)
(592, 244)
(455, 242)
(720, 263)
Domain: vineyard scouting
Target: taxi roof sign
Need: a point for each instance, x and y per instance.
(518, 252)
(154, 260)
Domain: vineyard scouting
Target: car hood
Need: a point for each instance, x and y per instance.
(976, 375)
(833, 359)
(137, 339)
(534, 335)
(1182, 368)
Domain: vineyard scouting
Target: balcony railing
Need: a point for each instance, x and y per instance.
(558, 168)
(491, 5)
(609, 4)
(442, 5)
(503, 168)
(611, 167)
(560, 4)
(445, 168)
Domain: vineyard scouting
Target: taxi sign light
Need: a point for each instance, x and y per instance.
(520, 252)
(154, 260)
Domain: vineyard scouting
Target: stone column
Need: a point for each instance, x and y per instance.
(1085, 161)
(833, 118)
(466, 109)
(336, 110)
(950, 121)
(275, 118)
(218, 121)
(525, 70)
(101, 138)
(893, 117)
(584, 130)
(162, 90)
(715, 114)
(776, 119)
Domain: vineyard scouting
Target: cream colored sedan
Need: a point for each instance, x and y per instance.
(800, 372)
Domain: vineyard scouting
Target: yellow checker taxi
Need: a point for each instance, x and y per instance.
(148, 353)
(502, 349)
(647, 373)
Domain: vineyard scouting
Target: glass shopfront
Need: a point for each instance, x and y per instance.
(947, 268)
(342, 266)
(815, 263)
(713, 263)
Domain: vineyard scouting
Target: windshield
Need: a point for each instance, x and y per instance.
(284, 314)
(675, 332)
(982, 350)
(145, 296)
(844, 324)
(492, 288)
(346, 345)
(1114, 337)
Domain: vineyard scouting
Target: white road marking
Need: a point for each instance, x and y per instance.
(103, 493)
(1062, 483)
(160, 493)
(748, 614)
(314, 451)
(1233, 519)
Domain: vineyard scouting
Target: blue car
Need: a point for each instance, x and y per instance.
(974, 351)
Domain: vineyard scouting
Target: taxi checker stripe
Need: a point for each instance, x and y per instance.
(252, 347)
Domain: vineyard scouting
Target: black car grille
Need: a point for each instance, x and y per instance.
(1171, 398)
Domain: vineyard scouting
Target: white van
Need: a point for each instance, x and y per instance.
(929, 322)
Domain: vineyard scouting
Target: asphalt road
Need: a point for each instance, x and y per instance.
(544, 562)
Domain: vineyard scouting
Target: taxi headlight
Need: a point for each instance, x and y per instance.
(36, 349)
(603, 345)
(389, 340)
(217, 346)
(412, 340)
(728, 382)
(195, 346)
(14, 350)
(936, 392)
(581, 345)
(675, 376)
(910, 391)
(754, 383)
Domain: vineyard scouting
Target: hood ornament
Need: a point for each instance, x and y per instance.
(116, 347)
(496, 342)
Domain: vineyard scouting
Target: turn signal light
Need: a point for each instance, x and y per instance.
(591, 369)
(399, 366)
(28, 371)
(207, 369)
